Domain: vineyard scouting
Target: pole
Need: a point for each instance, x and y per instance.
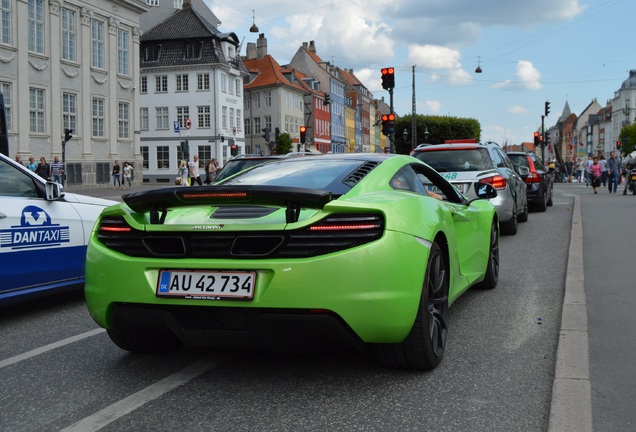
(391, 133)
(543, 142)
(414, 116)
(63, 161)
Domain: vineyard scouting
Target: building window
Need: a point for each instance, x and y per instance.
(268, 98)
(69, 35)
(239, 86)
(178, 4)
(36, 26)
(98, 117)
(5, 22)
(257, 125)
(205, 154)
(182, 83)
(163, 157)
(123, 117)
(231, 118)
(203, 116)
(145, 162)
(122, 52)
(36, 110)
(143, 118)
(152, 2)
(268, 122)
(151, 53)
(248, 127)
(183, 113)
(246, 101)
(163, 121)
(161, 83)
(256, 97)
(203, 81)
(224, 83)
(69, 111)
(97, 43)
(238, 120)
(143, 84)
(193, 50)
(7, 92)
(224, 118)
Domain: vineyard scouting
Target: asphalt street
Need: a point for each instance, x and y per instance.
(595, 378)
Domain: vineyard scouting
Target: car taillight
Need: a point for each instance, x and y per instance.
(349, 223)
(533, 177)
(498, 182)
(115, 224)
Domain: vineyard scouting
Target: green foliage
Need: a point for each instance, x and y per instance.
(628, 138)
(284, 144)
(440, 129)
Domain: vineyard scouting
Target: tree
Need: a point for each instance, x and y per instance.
(284, 144)
(627, 138)
(440, 129)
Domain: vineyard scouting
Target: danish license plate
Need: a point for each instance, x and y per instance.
(206, 285)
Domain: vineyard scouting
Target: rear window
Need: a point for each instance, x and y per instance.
(519, 160)
(476, 159)
(237, 165)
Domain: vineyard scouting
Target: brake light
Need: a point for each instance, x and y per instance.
(348, 223)
(498, 182)
(114, 224)
(533, 177)
(207, 195)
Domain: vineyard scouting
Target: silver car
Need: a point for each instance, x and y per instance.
(464, 165)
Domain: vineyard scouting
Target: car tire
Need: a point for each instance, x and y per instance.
(549, 203)
(523, 217)
(143, 345)
(491, 277)
(424, 346)
(542, 201)
(510, 227)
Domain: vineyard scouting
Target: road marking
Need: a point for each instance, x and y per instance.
(27, 355)
(119, 409)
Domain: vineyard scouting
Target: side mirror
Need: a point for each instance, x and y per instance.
(485, 191)
(54, 191)
(523, 171)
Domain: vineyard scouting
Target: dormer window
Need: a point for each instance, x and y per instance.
(230, 52)
(151, 53)
(193, 50)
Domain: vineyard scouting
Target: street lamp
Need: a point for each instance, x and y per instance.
(405, 135)
(426, 134)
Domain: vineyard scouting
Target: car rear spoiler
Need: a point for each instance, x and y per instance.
(158, 201)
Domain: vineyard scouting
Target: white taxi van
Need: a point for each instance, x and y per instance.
(43, 234)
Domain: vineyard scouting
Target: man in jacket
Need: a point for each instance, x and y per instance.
(613, 167)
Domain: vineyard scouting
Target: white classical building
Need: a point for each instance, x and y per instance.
(72, 64)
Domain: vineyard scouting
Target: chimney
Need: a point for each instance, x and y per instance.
(305, 45)
(312, 47)
(261, 46)
(186, 4)
(250, 51)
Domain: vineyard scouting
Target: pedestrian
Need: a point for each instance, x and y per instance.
(43, 169)
(613, 168)
(183, 173)
(588, 176)
(57, 169)
(569, 166)
(18, 159)
(211, 171)
(596, 174)
(128, 169)
(603, 163)
(32, 165)
(629, 163)
(194, 171)
(579, 170)
(116, 175)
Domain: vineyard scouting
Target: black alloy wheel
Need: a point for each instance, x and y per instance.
(510, 227)
(424, 347)
(491, 277)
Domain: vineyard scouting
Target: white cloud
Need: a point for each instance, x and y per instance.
(433, 106)
(517, 109)
(527, 78)
(433, 57)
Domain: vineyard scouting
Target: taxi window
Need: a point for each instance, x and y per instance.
(16, 183)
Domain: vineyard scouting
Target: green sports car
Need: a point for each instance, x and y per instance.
(366, 250)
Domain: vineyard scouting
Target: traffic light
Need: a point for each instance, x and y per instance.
(536, 139)
(618, 144)
(388, 124)
(547, 108)
(67, 134)
(388, 78)
(234, 150)
(266, 134)
(546, 139)
(185, 149)
(327, 99)
(303, 131)
(391, 123)
(276, 134)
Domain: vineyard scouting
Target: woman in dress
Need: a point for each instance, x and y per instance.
(597, 174)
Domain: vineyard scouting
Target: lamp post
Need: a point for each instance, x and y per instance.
(426, 134)
(405, 135)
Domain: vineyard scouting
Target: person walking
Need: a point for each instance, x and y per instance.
(211, 171)
(183, 173)
(603, 163)
(128, 169)
(596, 174)
(613, 167)
(569, 166)
(588, 176)
(57, 169)
(43, 169)
(32, 165)
(18, 159)
(116, 175)
(194, 171)
(579, 170)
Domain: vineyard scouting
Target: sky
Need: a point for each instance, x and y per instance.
(529, 52)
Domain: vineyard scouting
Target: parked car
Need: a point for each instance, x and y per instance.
(539, 181)
(346, 248)
(43, 234)
(466, 164)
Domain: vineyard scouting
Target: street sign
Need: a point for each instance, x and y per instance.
(175, 125)
(188, 124)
